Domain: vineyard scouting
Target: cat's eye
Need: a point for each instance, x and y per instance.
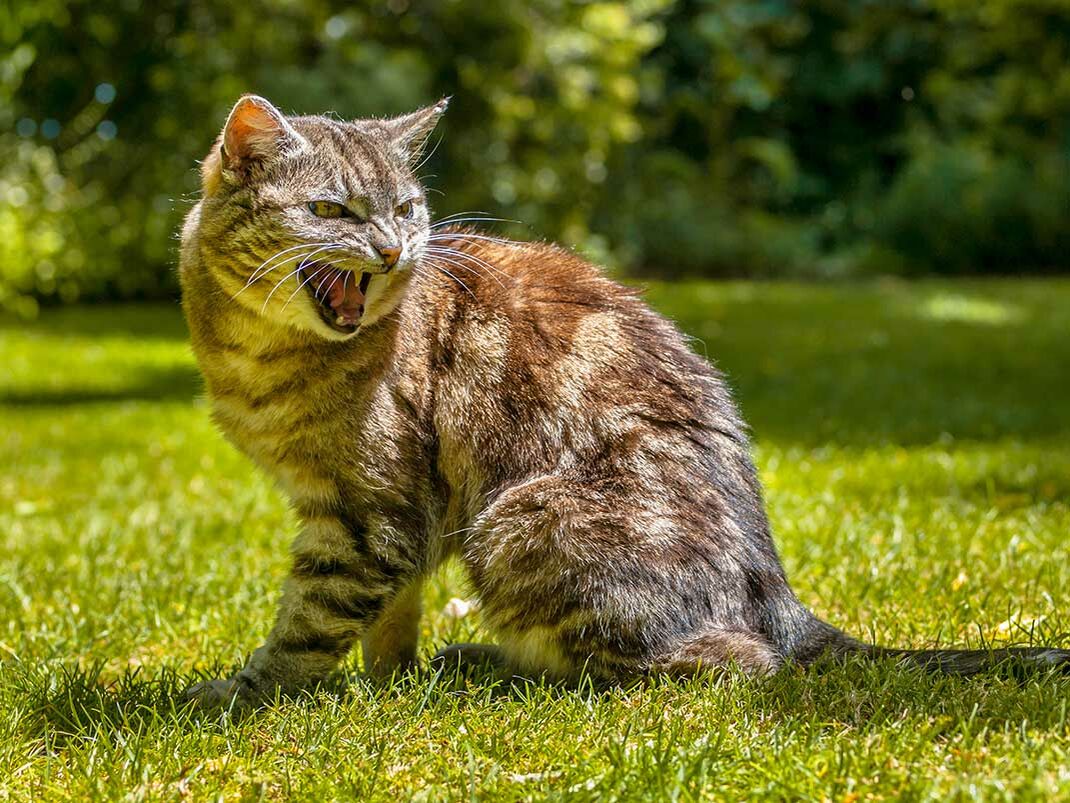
(327, 209)
(403, 209)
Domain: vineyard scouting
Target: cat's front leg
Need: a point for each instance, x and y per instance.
(389, 645)
(336, 590)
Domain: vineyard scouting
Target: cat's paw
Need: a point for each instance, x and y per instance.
(229, 694)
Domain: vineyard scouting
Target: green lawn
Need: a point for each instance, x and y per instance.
(914, 440)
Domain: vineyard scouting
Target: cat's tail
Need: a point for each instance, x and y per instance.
(804, 639)
(971, 662)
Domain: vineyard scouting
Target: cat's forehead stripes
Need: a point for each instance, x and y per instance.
(359, 162)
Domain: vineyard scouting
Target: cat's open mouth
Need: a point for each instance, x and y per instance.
(339, 299)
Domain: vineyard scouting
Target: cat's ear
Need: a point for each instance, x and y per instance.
(255, 132)
(409, 133)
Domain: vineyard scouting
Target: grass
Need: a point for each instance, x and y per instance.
(915, 444)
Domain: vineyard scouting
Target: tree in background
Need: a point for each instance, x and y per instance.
(757, 137)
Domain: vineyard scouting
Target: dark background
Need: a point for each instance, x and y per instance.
(752, 138)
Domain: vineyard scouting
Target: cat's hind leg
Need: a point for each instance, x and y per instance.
(600, 578)
(466, 659)
(716, 647)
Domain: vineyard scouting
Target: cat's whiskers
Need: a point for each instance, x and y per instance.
(473, 257)
(296, 271)
(338, 275)
(257, 275)
(431, 262)
(448, 256)
(323, 281)
(308, 278)
(277, 254)
(493, 269)
(463, 235)
(442, 240)
(326, 266)
(288, 260)
(448, 260)
(442, 220)
(475, 218)
(328, 247)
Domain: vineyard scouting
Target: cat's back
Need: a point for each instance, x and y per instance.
(538, 302)
(548, 362)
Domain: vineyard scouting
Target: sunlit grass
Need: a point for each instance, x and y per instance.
(954, 307)
(915, 444)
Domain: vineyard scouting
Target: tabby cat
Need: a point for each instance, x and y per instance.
(422, 392)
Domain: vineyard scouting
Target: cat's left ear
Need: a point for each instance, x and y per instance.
(409, 132)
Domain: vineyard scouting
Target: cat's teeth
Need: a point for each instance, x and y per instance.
(340, 320)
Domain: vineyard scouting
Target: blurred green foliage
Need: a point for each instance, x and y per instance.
(755, 137)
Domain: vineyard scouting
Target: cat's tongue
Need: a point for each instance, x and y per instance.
(347, 299)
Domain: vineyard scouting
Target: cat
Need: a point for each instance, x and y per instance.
(424, 391)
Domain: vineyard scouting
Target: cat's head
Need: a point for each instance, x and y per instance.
(313, 222)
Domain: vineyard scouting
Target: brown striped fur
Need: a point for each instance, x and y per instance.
(527, 415)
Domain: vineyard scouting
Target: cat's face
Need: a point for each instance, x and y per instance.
(312, 222)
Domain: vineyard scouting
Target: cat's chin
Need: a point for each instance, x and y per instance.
(315, 321)
(328, 332)
(335, 330)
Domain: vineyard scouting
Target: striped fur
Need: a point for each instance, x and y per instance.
(534, 418)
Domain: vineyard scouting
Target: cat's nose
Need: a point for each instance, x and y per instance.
(389, 253)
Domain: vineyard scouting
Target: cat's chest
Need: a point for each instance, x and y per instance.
(314, 427)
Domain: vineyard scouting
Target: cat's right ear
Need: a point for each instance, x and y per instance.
(255, 132)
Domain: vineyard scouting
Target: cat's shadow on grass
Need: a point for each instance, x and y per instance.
(856, 696)
(137, 322)
(180, 383)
